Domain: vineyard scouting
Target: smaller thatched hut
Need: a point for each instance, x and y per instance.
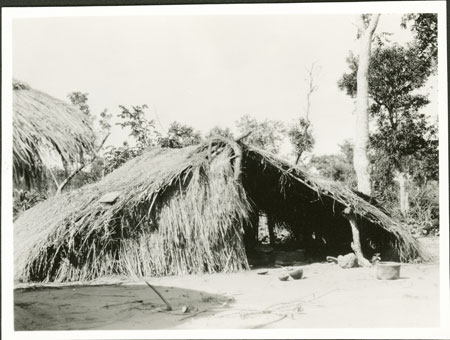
(191, 210)
(43, 126)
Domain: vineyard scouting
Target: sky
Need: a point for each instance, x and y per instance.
(203, 71)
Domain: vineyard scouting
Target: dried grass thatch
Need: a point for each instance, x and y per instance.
(43, 125)
(177, 211)
(322, 203)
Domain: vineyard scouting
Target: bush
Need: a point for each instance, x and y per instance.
(423, 216)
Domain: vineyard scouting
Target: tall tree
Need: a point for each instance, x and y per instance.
(404, 140)
(366, 28)
(299, 133)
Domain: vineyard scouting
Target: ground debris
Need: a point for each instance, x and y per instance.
(344, 261)
(123, 303)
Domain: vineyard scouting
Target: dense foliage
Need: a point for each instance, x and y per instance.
(424, 27)
(338, 167)
(180, 136)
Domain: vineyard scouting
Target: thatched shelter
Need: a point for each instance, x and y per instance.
(177, 211)
(44, 126)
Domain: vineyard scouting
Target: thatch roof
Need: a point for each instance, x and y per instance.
(174, 211)
(42, 125)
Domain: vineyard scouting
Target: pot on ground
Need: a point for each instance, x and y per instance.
(388, 270)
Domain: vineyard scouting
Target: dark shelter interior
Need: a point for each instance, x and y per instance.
(315, 221)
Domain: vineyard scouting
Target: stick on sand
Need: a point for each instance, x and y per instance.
(169, 307)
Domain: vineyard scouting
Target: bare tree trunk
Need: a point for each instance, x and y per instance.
(403, 195)
(312, 87)
(356, 244)
(348, 213)
(360, 159)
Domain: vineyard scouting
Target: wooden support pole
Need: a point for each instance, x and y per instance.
(255, 225)
(356, 244)
(271, 227)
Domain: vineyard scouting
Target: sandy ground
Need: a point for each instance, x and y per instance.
(327, 296)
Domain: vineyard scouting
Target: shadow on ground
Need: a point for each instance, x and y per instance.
(110, 307)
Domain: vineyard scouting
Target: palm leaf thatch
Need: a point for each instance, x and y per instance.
(44, 125)
(178, 211)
